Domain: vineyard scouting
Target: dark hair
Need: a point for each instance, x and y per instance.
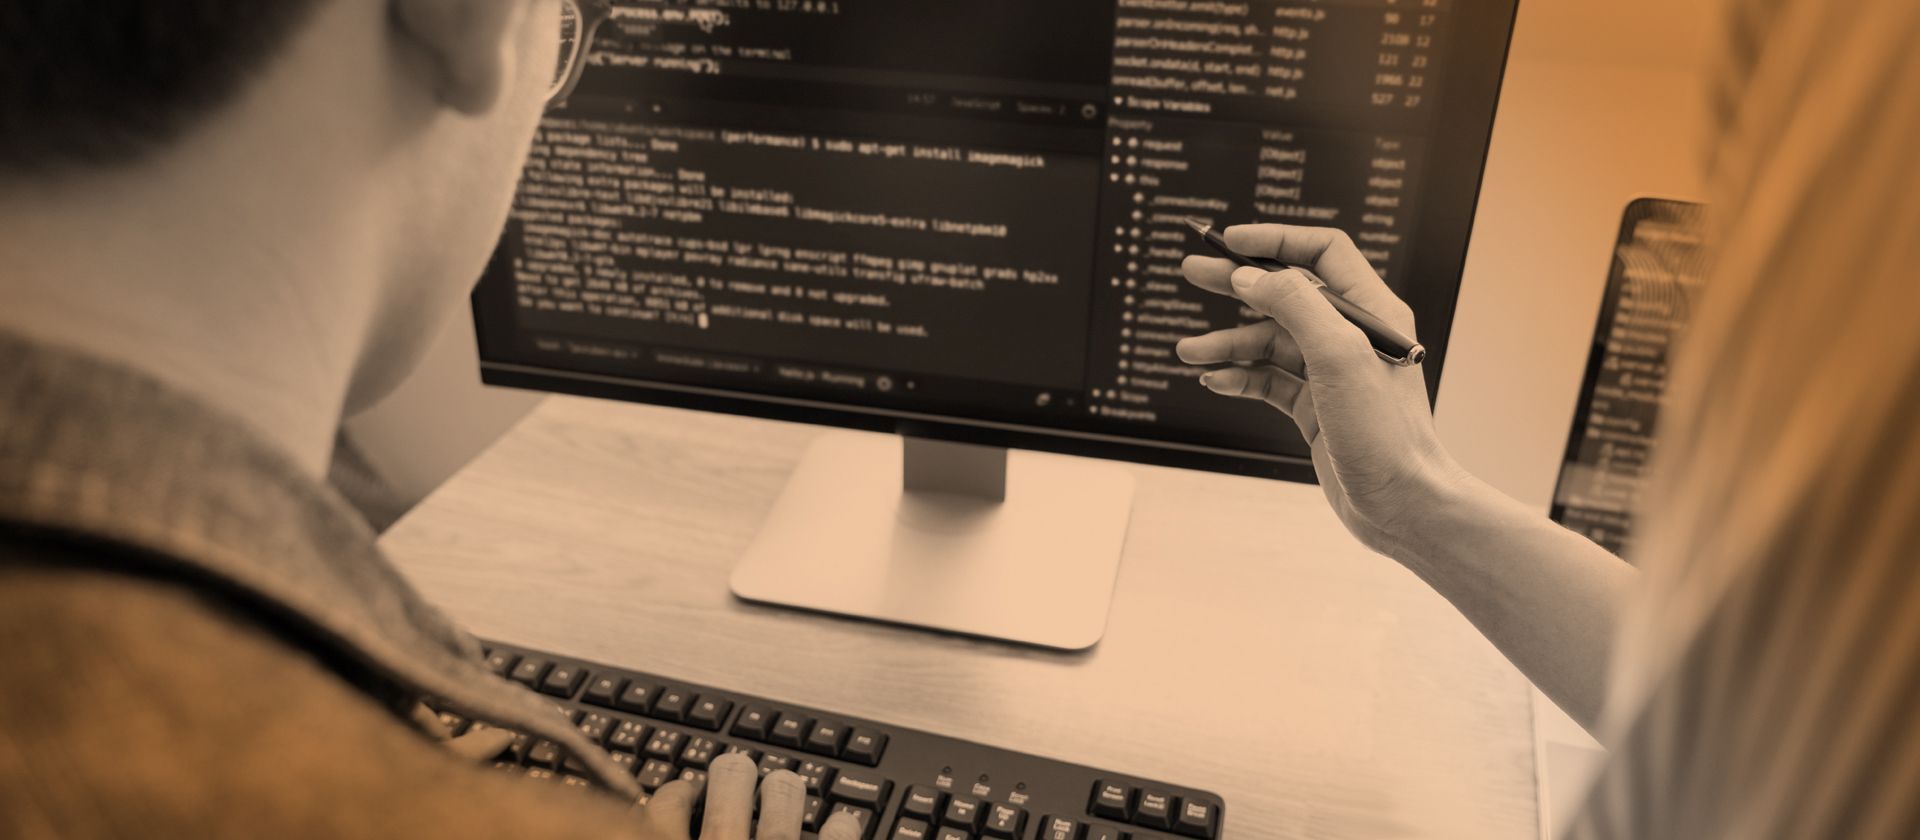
(104, 81)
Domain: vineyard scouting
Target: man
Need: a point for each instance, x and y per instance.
(223, 226)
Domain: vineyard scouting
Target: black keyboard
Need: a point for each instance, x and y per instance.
(901, 784)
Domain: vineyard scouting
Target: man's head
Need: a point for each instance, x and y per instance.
(392, 128)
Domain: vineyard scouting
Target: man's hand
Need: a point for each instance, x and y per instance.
(478, 745)
(1367, 421)
(729, 812)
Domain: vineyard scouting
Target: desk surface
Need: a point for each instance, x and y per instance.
(1253, 649)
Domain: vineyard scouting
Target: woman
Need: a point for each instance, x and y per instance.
(1766, 678)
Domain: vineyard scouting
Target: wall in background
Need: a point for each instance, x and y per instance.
(1603, 102)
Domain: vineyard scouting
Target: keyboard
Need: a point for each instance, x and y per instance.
(900, 783)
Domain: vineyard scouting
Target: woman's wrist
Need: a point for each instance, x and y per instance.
(1450, 508)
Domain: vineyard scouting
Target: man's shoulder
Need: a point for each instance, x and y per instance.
(137, 707)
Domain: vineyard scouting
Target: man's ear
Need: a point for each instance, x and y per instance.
(469, 45)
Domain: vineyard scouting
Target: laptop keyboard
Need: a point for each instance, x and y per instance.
(901, 784)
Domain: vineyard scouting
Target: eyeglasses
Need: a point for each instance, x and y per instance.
(579, 20)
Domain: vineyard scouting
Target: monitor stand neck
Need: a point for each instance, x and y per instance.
(954, 469)
(976, 540)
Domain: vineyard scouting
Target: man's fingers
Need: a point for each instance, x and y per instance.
(669, 815)
(841, 826)
(783, 804)
(730, 782)
(1332, 256)
(1325, 336)
(426, 719)
(1262, 341)
(1272, 386)
(481, 745)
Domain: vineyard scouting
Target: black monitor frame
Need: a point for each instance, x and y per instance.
(1463, 132)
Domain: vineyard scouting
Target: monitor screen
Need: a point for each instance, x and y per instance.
(962, 219)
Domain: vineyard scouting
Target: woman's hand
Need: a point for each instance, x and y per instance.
(729, 813)
(1367, 421)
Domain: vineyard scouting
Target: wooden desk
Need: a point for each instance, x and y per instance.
(1254, 649)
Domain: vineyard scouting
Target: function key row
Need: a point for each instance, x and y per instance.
(639, 696)
(1154, 809)
(612, 691)
(820, 737)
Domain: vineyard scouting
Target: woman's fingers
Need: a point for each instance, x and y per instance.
(669, 814)
(1210, 273)
(1270, 385)
(1273, 386)
(1332, 256)
(1261, 341)
(783, 804)
(730, 782)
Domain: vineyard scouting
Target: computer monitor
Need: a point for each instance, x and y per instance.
(961, 222)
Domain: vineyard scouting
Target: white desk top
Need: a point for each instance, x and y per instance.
(1254, 649)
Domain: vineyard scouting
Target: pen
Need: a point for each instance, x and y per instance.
(1389, 343)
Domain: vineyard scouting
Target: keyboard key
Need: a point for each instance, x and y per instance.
(628, 736)
(1105, 832)
(673, 704)
(575, 781)
(865, 746)
(699, 752)
(595, 726)
(529, 672)
(816, 774)
(1110, 800)
(544, 753)
(501, 662)
(627, 761)
(604, 691)
(1197, 819)
(540, 774)
(790, 730)
(697, 777)
(923, 803)
(754, 721)
(774, 761)
(574, 765)
(563, 680)
(826, 739)
(911, 829)
(1059, 828)
(861, 815)
(752, 754)
(813, 814)
(963, 812)
(952, 834)
(665, 745)
(860, 789)
(1005, 821)
(708, 712)
(654, 773)
(637, 698)
(1155, 809)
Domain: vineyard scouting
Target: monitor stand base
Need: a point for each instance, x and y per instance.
(1019, 546)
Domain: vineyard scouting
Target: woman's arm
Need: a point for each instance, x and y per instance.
(1545, 596)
